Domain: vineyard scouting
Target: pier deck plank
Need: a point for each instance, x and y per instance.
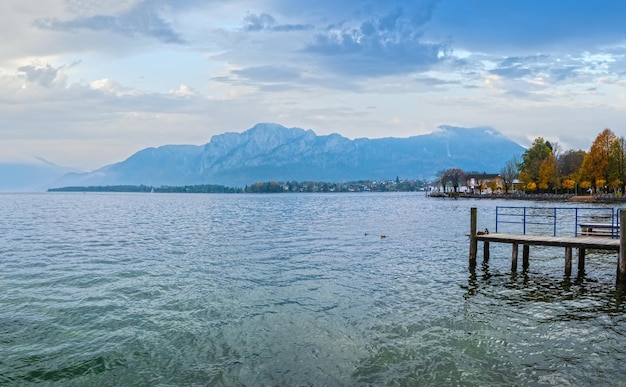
(584, 242)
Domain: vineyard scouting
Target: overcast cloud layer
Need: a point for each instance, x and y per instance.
(87, 83)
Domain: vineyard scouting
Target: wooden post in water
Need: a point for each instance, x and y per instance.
(486, 251)
(621, 263)
(473, 241)
(514, 258)
(581, 260)
(568, 261)
(525, 254)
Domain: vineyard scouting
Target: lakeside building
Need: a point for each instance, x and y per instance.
(487, 183)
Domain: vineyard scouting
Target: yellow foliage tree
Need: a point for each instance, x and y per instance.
(615, 185)
(525, 177)
(600, 184)
(617, 165)
(547, 172)
(596, 161)
(568, 184)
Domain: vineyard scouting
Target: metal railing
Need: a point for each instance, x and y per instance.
(556, 220)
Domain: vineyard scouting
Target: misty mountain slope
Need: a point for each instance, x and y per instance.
(35, 176)
(176, 164)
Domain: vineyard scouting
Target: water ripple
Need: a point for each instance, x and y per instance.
(139, 289)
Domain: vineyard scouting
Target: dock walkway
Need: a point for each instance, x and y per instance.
(582, 243)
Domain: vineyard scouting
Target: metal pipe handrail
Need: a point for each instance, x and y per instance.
(549, 216)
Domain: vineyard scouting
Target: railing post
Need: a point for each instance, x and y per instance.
(554, 233)
(524, 227)
(473, 241)
(497, 213)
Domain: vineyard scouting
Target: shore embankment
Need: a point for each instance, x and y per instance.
(604, 198)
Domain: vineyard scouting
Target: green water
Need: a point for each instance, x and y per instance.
(289, 290)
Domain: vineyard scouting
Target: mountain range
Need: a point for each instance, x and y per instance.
(273, 152)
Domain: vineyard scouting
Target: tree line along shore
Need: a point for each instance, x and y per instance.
(396, 185)
(545, 168)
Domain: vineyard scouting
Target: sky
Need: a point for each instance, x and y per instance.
(86, 83)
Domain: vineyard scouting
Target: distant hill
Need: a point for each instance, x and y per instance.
(29, 177)
(273, 152)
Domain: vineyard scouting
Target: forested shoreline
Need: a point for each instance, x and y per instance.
(396, 185)
(147, 188)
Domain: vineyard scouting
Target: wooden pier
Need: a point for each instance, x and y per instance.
(582, 243)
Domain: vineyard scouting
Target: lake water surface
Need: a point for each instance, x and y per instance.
(290, 290)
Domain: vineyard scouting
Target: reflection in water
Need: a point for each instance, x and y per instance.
(589, 295)
(549, 324)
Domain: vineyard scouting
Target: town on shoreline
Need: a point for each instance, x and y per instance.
(361, 186)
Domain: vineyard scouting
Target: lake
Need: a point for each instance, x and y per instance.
(355, 289)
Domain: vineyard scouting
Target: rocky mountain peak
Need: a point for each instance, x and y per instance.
(273, 152)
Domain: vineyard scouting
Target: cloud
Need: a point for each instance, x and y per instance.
(45, 76)
(523, 94)
(564, 73)
(381, 45)
(269, 73)
(439, 82)
(429, 81)
(140, 20)
(516, 71)
(265, 22)
(109, 86)
(185, 91)
(280, 78)
(515, 67)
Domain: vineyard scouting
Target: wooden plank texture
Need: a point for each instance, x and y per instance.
(585, 242)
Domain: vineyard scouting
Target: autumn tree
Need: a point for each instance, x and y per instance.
(569, 184)
(509, 173)
(569, 163)
(595, 166)
(585, 184)
(547, 178)
(532, 160)
(617, 165)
